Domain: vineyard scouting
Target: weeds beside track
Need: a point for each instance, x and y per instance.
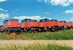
(60, 35)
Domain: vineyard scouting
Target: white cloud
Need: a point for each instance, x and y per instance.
(30, 17)
(1, 9)
(62, 2)
(45, 1)
(69, 11)
(58, 2)
(39, 0)
(3, 16)
(3, 0)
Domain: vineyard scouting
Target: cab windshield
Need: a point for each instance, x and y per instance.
(44, 20)
(26, 20)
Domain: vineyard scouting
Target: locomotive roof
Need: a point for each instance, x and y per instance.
(5, 21)
(13, 19)
(1, 25)
(44, 19)
(28, 20)
(53, 20)
(62, 21)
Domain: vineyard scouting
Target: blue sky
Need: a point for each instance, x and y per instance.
(52, 9)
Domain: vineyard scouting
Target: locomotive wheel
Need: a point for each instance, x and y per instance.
(39, 30)
(32, 31)
(25, 30)
(54, 30)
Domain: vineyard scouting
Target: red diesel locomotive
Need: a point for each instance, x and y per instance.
(28, 25)
(53, 25)
(13, 25)
(68, 24)
(43, 24)
(62, 24)
(46, 24)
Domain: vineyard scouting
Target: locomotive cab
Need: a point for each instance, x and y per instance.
(69, 25)
(53, 25)
(13, 26)
(43, 24)
(24, 24)
(28, 25)
(34, 25)
(62, 24)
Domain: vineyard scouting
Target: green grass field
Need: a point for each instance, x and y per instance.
(60, 35)
(34, 47)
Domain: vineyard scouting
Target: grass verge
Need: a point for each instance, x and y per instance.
(60, 35)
